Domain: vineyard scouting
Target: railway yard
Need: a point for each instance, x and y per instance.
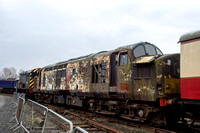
(133, 88)
(102, 122)
(99, 67)
(89, 121)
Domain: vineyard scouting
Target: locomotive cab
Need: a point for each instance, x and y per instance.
(145, 74)
(155, 74)
(26, 82)
(144, 71)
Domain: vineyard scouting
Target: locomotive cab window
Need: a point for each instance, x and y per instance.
(139, 51)
(158, 52)
(150, 49)
(146, 49)
(124, 59)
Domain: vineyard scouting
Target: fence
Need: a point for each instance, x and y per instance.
(57, 123)
(18, 113)
(34, 117)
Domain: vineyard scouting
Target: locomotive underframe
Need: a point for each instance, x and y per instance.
(129, 109)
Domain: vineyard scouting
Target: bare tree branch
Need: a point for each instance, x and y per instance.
(8, 73)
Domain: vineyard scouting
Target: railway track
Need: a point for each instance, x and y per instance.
(78, 119)
(93, 122)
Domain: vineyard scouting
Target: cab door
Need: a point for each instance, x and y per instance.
(125, 75)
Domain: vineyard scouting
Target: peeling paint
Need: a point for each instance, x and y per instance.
(104, 72)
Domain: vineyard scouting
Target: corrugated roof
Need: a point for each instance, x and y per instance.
(190, 36)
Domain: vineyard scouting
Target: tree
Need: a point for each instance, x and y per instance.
(8, 73)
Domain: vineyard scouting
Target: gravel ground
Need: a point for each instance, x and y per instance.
(6, 113)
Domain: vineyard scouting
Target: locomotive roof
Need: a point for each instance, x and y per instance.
(102, 53)
(79, 58)
(28, 71)
(131, 46)
(190, 36)
(51, 65)
(128, 46)
(95, 55)
(69, 61)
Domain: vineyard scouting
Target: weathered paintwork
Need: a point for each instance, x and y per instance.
(100, 64)
(168, 75)
(27, 80)
(119, 74)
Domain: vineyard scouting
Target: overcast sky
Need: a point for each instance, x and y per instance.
(36, 33)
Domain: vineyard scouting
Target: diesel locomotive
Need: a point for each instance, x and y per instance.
(136, 81)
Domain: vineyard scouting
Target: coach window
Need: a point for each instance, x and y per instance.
(139, 51)
(124, 59)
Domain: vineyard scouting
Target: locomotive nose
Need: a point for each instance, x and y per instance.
(168, 76)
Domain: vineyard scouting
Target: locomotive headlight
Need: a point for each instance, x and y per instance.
(159, 87)
(167, 86)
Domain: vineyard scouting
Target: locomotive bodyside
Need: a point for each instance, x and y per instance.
(131, 80)
(130, 72)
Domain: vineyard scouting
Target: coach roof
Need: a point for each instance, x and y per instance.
(190, 36)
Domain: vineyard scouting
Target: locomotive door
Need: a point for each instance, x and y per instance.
(113, 74)
(124, 74)
(113, 69)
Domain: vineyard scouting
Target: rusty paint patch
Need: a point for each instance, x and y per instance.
(124, 87)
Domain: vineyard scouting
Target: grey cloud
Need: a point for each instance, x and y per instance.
(35, 33)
